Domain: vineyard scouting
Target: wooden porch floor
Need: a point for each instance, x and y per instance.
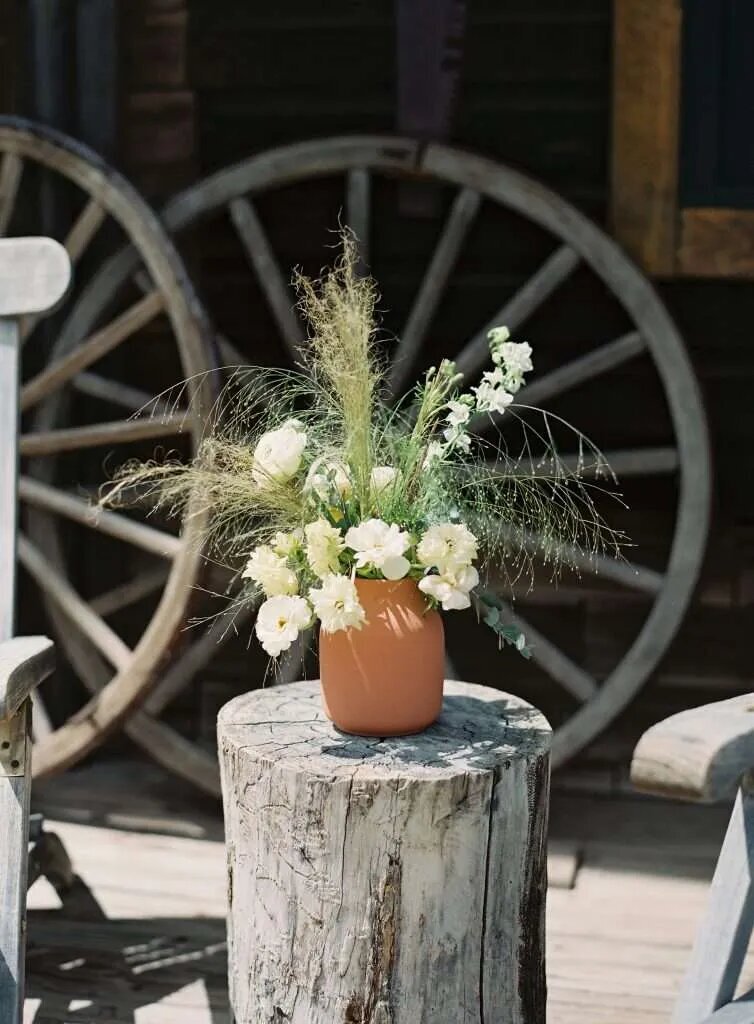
(142, 938)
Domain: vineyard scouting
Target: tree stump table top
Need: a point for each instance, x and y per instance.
(385, 881)
(479, 730)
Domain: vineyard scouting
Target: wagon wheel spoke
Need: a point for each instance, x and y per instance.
(462, 213)
(358, 201)
(549, 657)
(126, 594)
(259, 252)
(553, 272)
(625, 463)
(83, 230)
(72, 605)
(92, 349)
(97, 435)
(195, 657)
(112, 524)
(11, 169)
(629, 574)
(134, 399)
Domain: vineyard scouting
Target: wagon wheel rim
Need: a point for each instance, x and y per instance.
(578, 241)
(118, 676)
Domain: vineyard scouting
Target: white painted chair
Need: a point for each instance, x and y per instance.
(707, 755)
(34, 276)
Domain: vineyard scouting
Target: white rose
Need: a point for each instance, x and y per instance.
(277, 455)
(451, 590)
(286, 544)
(279, 621)
(323, 477)
(382, 546)
(271, 572)
(336, 604)
(324, 544)
(381, 478)
(447, 547)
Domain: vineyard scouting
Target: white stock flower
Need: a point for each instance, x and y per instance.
(382, 546)
(497, 336)
(491, 396)
(447, 547)
(277, 456)
(279, 621)
(336, 604)
(286, 544)
(451, 590)
(435, 452)
(324, 544)
(457, 439)
(381, 478)
(324, 477)
(515, 360)
(460, 411)
(271, 572)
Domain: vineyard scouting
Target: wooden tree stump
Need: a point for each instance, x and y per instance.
(397, 881)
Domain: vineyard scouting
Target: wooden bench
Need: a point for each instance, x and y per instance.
(34, 275)
(707, 755)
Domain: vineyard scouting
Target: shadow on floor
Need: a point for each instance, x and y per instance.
(85, 968)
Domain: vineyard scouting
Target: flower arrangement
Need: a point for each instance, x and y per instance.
(310, 481)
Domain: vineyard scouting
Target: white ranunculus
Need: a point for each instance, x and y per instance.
(279, 621)
(447, 547)
(324, 477)
(451, 590)
(324, 544)
(378, 544)
(382, 478)
(286, 544)
(271, 572)
(277, 455)
(336, 604)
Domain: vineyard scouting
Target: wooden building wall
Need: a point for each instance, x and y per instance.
(535, 93)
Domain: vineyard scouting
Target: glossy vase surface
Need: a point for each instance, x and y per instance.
(385, 679)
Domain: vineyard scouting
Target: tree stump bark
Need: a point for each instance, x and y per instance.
(397, 881)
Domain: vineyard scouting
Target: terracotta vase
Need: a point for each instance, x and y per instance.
(386, 678)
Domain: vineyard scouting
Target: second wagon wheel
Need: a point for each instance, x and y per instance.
(119, 612)
(509, 251)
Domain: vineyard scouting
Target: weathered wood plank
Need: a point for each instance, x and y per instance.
(35, 273)
(698, 754)
(15, 790)
(725, 930)
(24, 663)
(9, 376)
(716, 243)
(645, 129)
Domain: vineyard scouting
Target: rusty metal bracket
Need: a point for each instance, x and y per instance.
(14, 736)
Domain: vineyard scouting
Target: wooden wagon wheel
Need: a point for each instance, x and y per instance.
(571, 244)
(82, 353)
